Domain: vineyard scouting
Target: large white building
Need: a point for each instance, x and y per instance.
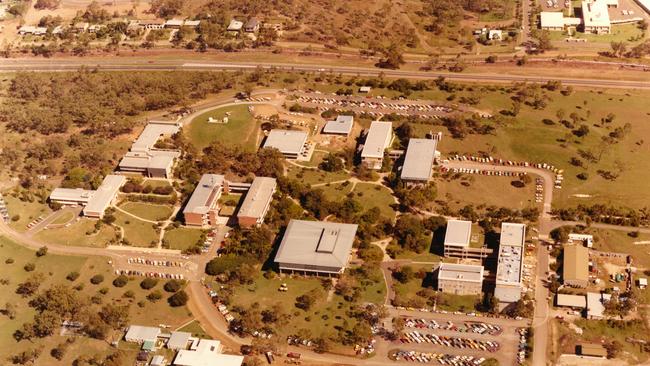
(291, 143)
(510, 262)
(460, 279)
(419, 159)
(95, 202)
(145, 158)
(378, 139)
(257, 202)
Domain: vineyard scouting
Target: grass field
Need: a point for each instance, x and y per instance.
(76, 234)
(27, 211)
(627, 33)
(56, 268)
(312, 176)
(182, 238)
(488, 190)
(138, 233)
(155, 183)
(598, 331)
(242, 129)
(618, 241)
(372, 195)
(196, 329)
(148, 211)
(63, 218)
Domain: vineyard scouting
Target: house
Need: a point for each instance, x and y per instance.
(571, 301)
(591, 350)
(152, 132)
(235, 26)
(495, 35)
(71, 196)
(202, 207)
(252, 26)
(575, 266)
(104, 196)
(418, 163)
(192, 23)
(596, 305)
(510, 262)
(595, 17)
(642, 282)
(582, 239)
(365, 89)
(32, 30)
(552, 21)
(174, 23)
(141, 334)
(206, 352)
(178, 340)
(341, 126)
(378, 139)
(316, 247)
(460, 279)
(291, 143)
(257, 202)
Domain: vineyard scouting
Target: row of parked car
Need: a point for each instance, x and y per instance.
(523, 337)
(130, 272)
(4, 213)
(467, 327)
(456, 342)
(152, 262)
(441, 358)
(495, 161)
(351, 103)
(484, 172)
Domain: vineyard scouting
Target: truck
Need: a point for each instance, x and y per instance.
(269, 357)
(293, 355)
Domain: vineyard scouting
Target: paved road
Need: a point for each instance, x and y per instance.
(140, 64)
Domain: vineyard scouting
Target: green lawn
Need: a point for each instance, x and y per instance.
(451, 302)
(598, 330)
(480, 189)
(619, 241)
(242, 129)
(312, 176)
(148, 211)
(182, 238)
(620, 33)
(232, 197)
(137, 232)
(26, 211)
(155, 183)
(63, 218)
(55, 268)
(372, 195)
(336, 191)
(196, 329)
(77, 234)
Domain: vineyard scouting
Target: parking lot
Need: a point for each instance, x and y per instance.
(440, 358)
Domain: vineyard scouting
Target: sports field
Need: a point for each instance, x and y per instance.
(241, 130)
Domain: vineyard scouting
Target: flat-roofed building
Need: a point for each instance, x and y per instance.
(591, 350)
(378, 139)
(584, 239)
(151, 163)
(71, 196)
(152, 132)
(418, 163)
(174, 23)
(203, 206)
(257, 202)
(141, 334)
(596, 305)
(571, 301)
(291, 143)
(235, 26)
(458, 233)
(460, 279)
(206, 352)
(104, 196)
(317, 247)
(510, 262)
(342, 125)
(552, 20)
(178, 340)
(575, 266)
(595, 17)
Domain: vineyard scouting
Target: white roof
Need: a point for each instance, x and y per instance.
(178, 340)
(595, 304)
(342, 124)
(141, 333)
(643, 281)
(151, 133)
(418, 162)
(287, 141)
(460, 272)
(71, 194)
(574, 301)
(552, 19)
(316, 244)
(152, 159)
(235, 25)
(510, 262)
(377, 140)
(105, 194)
(595, 14)
(458, 233)
(206, 353)
(512, 234)
(205, 194)
(192, 23)
(257, 198)
(174, 22)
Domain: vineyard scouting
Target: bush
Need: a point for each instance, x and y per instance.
(103, 290)
(15, 218)
(9, 261)
(41, 251)
(72, 276)
(129, 294)
(583, 176)
(173, 286)
(148, 283)
(97, 279)
(154, 296)
(178, 299)
(120, 281)
(29, 267)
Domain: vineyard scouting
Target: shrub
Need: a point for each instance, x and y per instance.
(583, 176)
(173, 286)
(154, 296)
(72, 276)
(103, 290)
(148, 283)
(29, 267)
(41, 251)
(9, 261)
(178, 299)
(97, 279)
(15, 218)
(120, 281)
(129, 294)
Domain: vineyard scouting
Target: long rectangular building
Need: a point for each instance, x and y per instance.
(152, 132)
(291, 143)
(575, 267)
(418, 163)
(257, 202)
(460, 279)
(510, 262)
(71, 196)
(202, 207)
(145, 158)
(378, 139)
(457, 241)
(104, 196)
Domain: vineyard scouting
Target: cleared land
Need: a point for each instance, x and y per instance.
(148, 211)
(136, 232)
(25, 211)
(241, 130)
(487, 190)
(79, 233)
(182, 238)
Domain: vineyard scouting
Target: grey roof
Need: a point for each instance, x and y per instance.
(259, 194)
(512, 234)
(460, 272)
(105, 194)
(574, 301)
(152, 132)
(178, 340)
(205, 194)
(458, 233)
(71, 194)
(511, 254)
(342, 124)
(152, 159)
(251, 23)
(377, 140)
(141, 333)
(235, 25)
(507, 293)
(287, 141)
(316, 243)
(595, 304)
(419, 159)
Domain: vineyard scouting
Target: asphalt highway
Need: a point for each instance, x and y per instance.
(140, 64)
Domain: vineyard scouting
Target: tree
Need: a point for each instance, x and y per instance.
(72, 276)
(41, 251)
(46, 323)
(393, 58)
(306, 301)
(120, 281)
(560, 234)
(331, 163)
(173, 285)
(154, 296)
(115, 316)
(178, 299)
(97, 279)
(27, 357)
(31, 285)
(60, 299)
(618, 48)
(148, 283)
(10, 310)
